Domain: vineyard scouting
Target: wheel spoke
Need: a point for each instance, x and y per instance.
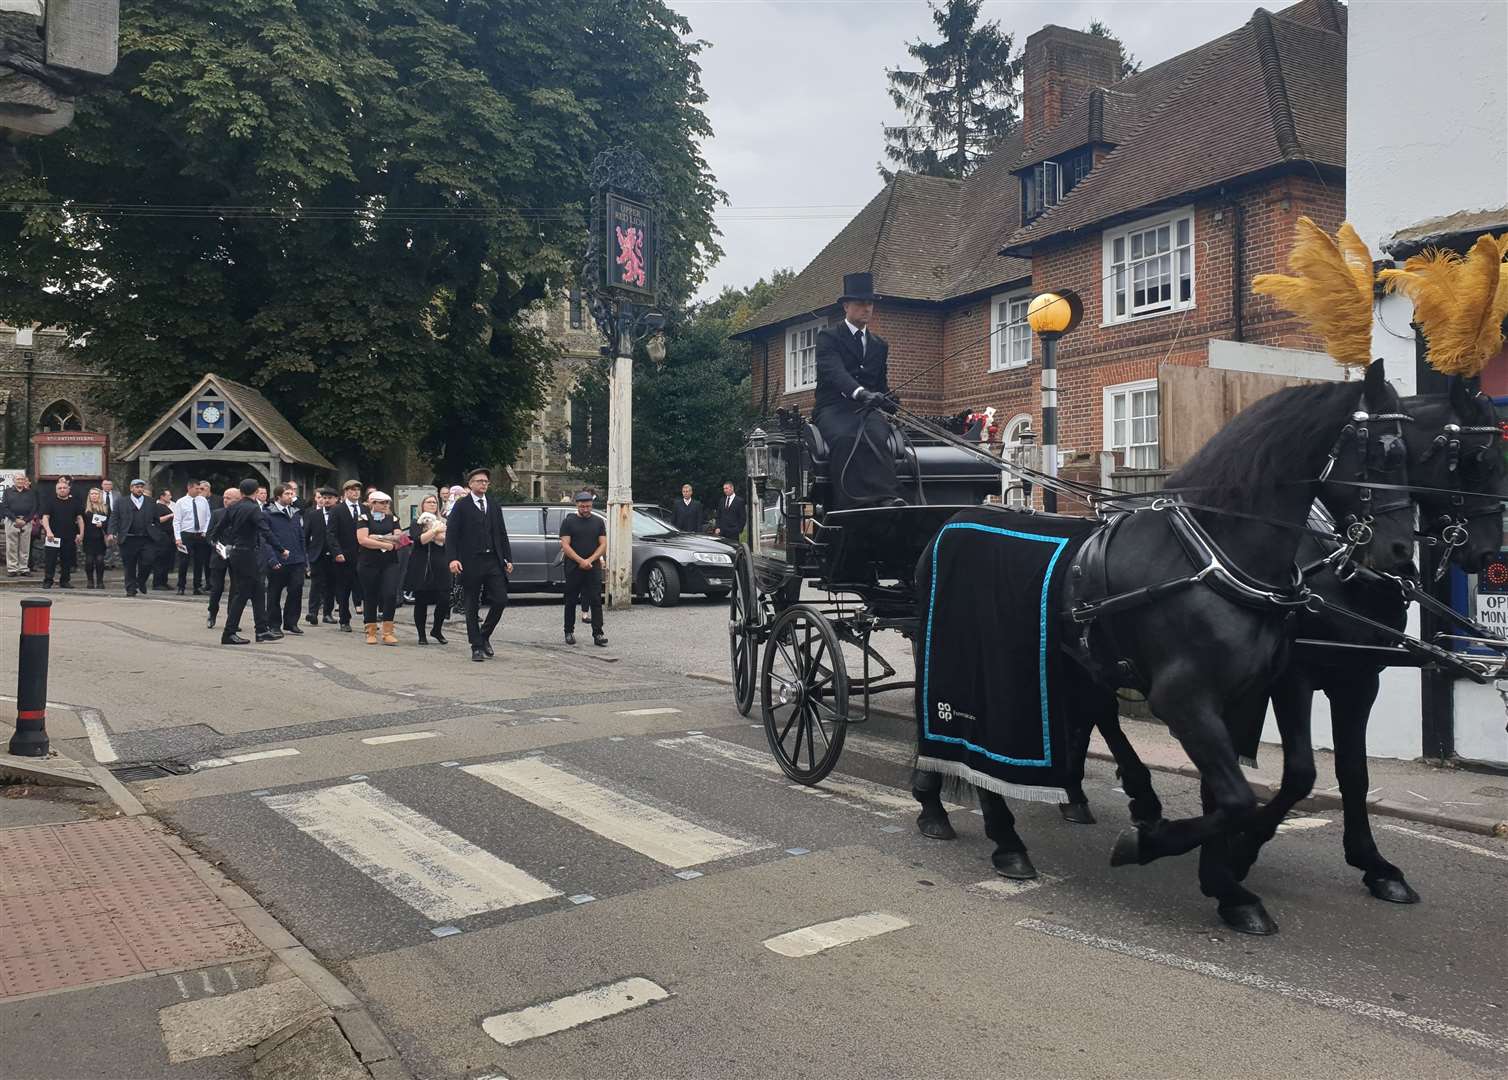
(785, 654)
(785, 730)
(798, 718)
(811, 743)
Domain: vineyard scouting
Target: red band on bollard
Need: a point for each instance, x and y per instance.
(31, 714)
(36, 620)
(30, 738)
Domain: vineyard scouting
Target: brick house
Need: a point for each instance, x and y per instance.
(1156, 198)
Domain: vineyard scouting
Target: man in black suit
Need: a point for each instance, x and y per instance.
(131, 526)
(322, 546)
(851, 389)
(218, 567)
(476, 543)
(244, 531)
(686, 515)
(730, 514)
(343, 521)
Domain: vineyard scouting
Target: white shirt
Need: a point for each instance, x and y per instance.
(183, 515)
(354, 509)
(863, 342)
(481, 502)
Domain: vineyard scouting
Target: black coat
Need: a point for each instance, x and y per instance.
(213, 533)
(319, 542)
(730, 518)
(467, 534)
(344, 525)
(687, 518)
(428, 565)
(160, 525)
(242, 526)
(127, 521)
(841, 371)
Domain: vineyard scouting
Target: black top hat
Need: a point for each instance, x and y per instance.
(858, 287)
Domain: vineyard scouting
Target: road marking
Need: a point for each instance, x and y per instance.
(407, 736)
(182, 989)
(810, 940)
(1447, 841)
(1299, 824)
(886, 749)
(434, 871)
(239, 759)
(512, 1028)
(99, 738)
(850, 790)
(204, 980)
(1322, 998)
(648, 712)
(647, 829)
(999, 886)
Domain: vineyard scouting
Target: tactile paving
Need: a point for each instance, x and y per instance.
(89, 901)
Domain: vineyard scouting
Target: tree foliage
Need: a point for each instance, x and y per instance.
(1130, 65)
(351, 205)
(963, 100)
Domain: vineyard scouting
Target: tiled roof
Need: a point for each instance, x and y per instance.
(1270, 93)
(282, 438)
(922, 237)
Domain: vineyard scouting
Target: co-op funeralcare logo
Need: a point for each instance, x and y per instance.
(946, 712)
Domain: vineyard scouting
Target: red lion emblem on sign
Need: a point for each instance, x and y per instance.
(631, 255)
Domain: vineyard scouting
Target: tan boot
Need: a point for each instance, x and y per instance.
(388, 636)
(371, 633)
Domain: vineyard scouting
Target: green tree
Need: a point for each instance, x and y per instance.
(1130, 65)
(351, 204)
(962, 101)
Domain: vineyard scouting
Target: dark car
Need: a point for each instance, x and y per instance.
(667, 563)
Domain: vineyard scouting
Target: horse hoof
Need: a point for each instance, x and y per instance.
(1248, 919)
(1015, 865)
(1077, 813)
(1127, 848)
(936, 827)
(1393, 890)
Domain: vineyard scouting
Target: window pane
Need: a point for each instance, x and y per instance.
(1183, 231)
(1120, 292)
(1136, 241)
(1119, 406)
(1118, 250)
(1118, 435)
(1163, 238)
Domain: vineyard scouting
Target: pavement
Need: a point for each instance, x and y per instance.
(583, 862)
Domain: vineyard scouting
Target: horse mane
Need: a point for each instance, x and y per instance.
(1262, 448)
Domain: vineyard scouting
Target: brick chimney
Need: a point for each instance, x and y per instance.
(1061, 66)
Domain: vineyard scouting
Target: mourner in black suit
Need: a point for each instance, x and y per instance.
(687, 514)
(476, 543)
(347, 585)
(218, 567)
(244, 530)
(730, 514)
(322, 545)
(131, 527)
(851, 389)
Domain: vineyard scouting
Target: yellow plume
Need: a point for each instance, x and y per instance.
(1331, 289)
(1459, 303)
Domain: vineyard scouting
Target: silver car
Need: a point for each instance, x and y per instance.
(667, 563)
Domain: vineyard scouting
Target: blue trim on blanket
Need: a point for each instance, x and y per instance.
(1061, 543)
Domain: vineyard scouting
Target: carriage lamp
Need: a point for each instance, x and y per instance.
(654, 348)
(757, 456)
(1052, 315)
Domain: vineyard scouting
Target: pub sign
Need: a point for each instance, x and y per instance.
(631, 244)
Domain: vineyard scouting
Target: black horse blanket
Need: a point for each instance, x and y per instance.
(988, 659)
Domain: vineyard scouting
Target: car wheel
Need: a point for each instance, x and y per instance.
(662, 584)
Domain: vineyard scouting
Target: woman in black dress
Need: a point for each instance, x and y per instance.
(96, 522)
(428, 572)
(379, 538)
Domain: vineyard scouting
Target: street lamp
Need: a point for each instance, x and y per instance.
(1052, 315)
(757, 456)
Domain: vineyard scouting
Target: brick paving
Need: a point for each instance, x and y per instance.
(91, 901)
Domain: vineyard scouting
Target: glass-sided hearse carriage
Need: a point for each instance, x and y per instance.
(815, 581)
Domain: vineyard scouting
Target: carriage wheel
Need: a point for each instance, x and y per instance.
(804, 694)
(743, 645)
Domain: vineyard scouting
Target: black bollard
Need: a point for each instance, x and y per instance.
(30, 739)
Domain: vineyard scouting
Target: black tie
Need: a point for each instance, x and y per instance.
(859, 340)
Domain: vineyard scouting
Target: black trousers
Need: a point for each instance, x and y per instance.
(216, 574)
(245, 579)
(585, 587)
(481, 575)
(64, 556)
(858, 456)
(347, 588)
(162, 564)
(322, 586)
(94, 567)
(289, 580)
(197, 555)
(136, 557)
(379, 590)
(423, 598)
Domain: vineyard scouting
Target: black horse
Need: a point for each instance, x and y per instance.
(1453, 449)
(1205, 655)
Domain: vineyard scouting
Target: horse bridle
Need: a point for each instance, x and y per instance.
(1393, 454)
(1452, 524)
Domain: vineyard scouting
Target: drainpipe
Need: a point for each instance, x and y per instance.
(1238, 270)
(764, 401)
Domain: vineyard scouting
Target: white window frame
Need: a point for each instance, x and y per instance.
(1010, 437)
(1179, 255)
(1005, 354)
(1108, 414)
(794, 383)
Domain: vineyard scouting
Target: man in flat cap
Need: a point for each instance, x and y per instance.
(851, 391)
(131, 526)
(583, 543)
(476, 543)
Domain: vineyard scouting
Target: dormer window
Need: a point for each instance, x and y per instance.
(1045, 184)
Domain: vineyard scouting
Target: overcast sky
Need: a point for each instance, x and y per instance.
(798, 95)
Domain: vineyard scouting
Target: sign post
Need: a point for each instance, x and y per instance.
(622, 272)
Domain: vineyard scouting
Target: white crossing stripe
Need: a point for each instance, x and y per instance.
(99, 738)
(406, 736)
(238, 759)
(649, 712)
(1447, 841)
(829, 935)
(645, 828)
(999, 886)
(512, 1028)
(850, 790)
(1299, 824)
(428, 867)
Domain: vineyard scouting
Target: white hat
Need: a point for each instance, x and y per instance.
(378, 496)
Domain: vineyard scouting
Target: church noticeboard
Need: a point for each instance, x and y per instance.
(69, 453)
(631, 265)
